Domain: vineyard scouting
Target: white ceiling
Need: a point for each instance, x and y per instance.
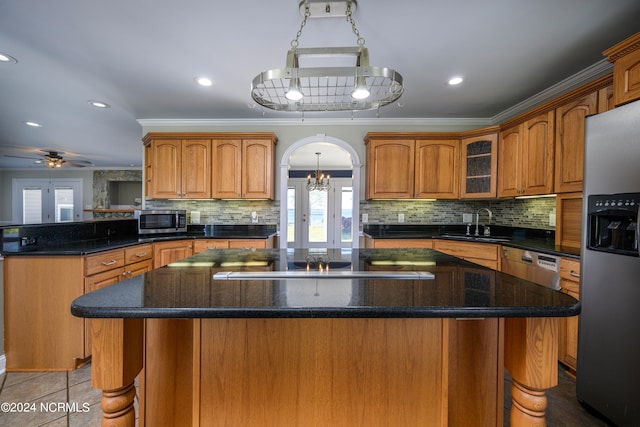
(142, 56)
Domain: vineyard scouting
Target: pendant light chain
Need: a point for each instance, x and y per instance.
(360, 39)
(307, 13)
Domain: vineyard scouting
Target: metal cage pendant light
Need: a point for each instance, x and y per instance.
(352, 88)
(321, 181)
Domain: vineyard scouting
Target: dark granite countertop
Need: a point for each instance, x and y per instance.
(529, 239)
(74, 239)
(188, 288)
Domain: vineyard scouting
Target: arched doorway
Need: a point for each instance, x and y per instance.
(292, 215)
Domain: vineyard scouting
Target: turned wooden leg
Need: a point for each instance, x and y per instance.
(531, 357)
(528, 406)
(117, 407)
(116, 346)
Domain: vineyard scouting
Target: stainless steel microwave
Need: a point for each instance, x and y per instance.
(161, 221)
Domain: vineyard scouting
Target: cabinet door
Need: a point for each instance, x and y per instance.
(196, 168)
(167, 252)
(227, 169)
(537, 154)
(570, 122)
(605, 99)
(390, 169)
(437, 174)
(478, 166)
(257, 169)
(569, 220)
(166, 167)
(509, 163)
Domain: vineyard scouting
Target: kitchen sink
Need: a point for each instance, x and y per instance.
(486, 239)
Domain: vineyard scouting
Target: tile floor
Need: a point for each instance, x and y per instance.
(75, 388)
(43, 392)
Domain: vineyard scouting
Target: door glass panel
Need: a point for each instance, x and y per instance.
(64, 204)
(318, 216)
(346, 215)
(31, 205)
(291, 214)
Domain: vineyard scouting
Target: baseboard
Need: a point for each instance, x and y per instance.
(3, 364)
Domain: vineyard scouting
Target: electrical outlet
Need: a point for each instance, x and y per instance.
(552, 219)
(365, 218)
(400, 217)
(467, 218)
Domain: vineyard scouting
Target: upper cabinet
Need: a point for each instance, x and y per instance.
(570, 122)
(625, 57)
(178, 168)
(412, 166)
(525, 158)
(478, 165)
(209, 165)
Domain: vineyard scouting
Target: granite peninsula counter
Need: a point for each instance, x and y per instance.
(350, 345)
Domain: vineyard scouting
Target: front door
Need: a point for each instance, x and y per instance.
(320, 219)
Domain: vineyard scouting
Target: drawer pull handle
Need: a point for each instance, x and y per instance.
(140, 255)
(574, 274)
(113, 261)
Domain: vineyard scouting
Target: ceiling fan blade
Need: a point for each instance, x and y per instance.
(23, 157)
(72, 163)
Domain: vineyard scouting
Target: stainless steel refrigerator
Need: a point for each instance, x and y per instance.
(608, 371)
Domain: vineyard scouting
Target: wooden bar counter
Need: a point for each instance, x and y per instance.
(370, 340)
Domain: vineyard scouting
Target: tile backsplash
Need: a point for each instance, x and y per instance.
(527, 213)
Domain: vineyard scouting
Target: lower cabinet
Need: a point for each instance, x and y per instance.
(370, 242)
(485, 254)
(568, 336)
(171, 251)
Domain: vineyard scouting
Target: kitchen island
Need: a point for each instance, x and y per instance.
(371, 337)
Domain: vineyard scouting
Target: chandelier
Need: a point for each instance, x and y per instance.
(357, 87)
(320, 182)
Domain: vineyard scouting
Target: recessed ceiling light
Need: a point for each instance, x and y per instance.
(455, 81)
(33, 124)
(99, 104)
(204, 81)
(7, 58)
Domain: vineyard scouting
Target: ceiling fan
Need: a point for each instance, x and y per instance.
(53, 159)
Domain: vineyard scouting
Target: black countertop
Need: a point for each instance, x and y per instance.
(458, 289)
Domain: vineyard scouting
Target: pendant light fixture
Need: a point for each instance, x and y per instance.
(331, 88)
(320, 182)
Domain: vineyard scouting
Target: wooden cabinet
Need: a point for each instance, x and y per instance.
(478, 165)
(201, 245)
(568, 330)
(437, 169)
(178, 168)
(390, 168)
(525, 157)
(398, 243)
(171, 251)
(243, 168)
(569, 220)
(202, 165)
(625, 57)
(412, 166)
(485, 254)
(569, 140)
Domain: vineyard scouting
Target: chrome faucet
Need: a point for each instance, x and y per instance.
(487, 231)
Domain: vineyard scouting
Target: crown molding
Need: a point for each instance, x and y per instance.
(445, 121)
(590, 73)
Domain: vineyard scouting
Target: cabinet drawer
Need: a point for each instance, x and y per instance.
(247, 243)
(570, 269)
(202, 245)
(570, 287)
(138, 253)
(104, 261)
(484, 251)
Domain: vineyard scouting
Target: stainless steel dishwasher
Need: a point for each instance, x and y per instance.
(536, 267)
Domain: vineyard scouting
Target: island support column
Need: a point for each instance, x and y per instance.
(117, 356)
(531, 357)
